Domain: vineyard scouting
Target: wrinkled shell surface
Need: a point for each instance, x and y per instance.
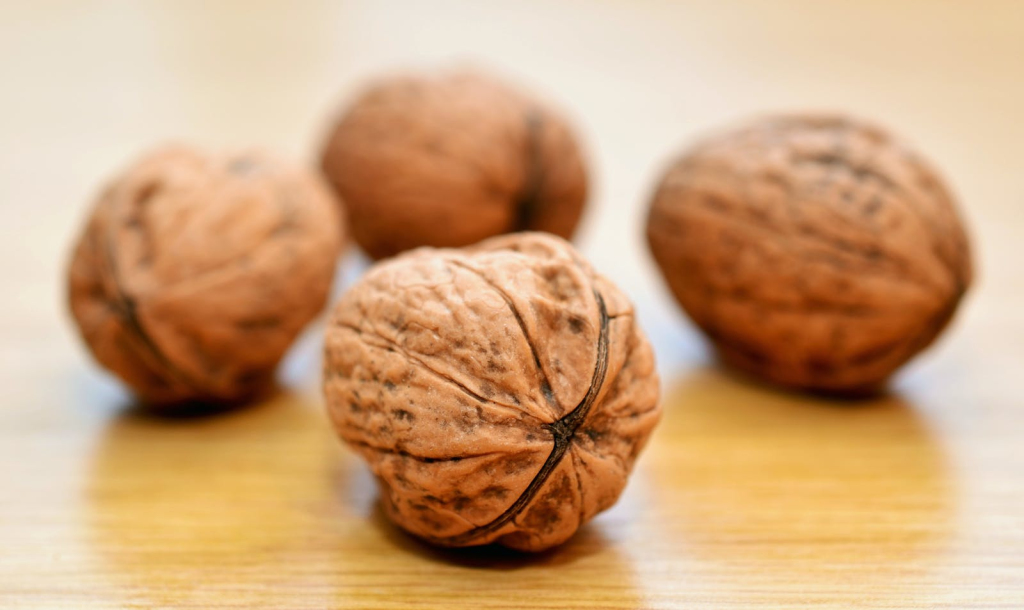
(499, 393)
(450, 159)
(816, 252)
(196, 272)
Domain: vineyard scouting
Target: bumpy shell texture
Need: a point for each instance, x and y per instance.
(816, 252)
(452, 158)
(500, 393)
(195, 272)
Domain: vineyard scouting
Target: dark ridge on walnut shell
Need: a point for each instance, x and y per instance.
(529, 199)
(124, 307)
(563, 431)
(554, 457)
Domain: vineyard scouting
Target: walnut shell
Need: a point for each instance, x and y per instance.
(196, 272)
(500, 393)
(452, 158)
(815, 251)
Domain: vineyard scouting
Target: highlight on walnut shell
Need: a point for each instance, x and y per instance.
(500, 393)
(196, 271)
(818, 252)
(450, 158)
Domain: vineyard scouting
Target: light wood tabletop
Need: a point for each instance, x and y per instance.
(745, 496)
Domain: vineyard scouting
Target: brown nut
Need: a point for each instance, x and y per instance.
(814, 251)
(450, 159)
(196, 272)
(500, 393)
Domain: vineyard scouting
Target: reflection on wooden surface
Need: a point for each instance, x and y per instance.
(743, 486)
(780, 487)
(262, 504)
(201, 501)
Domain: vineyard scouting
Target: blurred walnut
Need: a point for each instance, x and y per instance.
(452, 158)
(500, 393)
(196, 272)
(816, 252)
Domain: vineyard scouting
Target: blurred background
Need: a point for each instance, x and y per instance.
(85, 86)
(89, 85)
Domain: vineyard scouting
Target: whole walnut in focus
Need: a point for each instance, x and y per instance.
(196, 272)
(500, 393)
(815, 251)
(452, 158)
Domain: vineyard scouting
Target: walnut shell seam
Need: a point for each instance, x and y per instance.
(495, 392)
(562, 431)
(125, 305)
(529, 201)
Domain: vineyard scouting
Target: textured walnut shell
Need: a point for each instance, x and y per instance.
(500, 393)
(196, 272)
(816, 252)
(450, 159)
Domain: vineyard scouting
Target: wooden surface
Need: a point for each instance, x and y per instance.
(745, 497)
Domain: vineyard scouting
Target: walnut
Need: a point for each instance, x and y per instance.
(196, 272)
(500, 393)
(814, 251)
(449, 159)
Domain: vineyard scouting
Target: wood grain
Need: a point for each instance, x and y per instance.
(746, 497)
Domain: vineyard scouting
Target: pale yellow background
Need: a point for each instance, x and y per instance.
(744, 496)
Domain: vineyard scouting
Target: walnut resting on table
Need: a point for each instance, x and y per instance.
(449, 159)
(500, 393)
(817, 252)
(196, 272)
